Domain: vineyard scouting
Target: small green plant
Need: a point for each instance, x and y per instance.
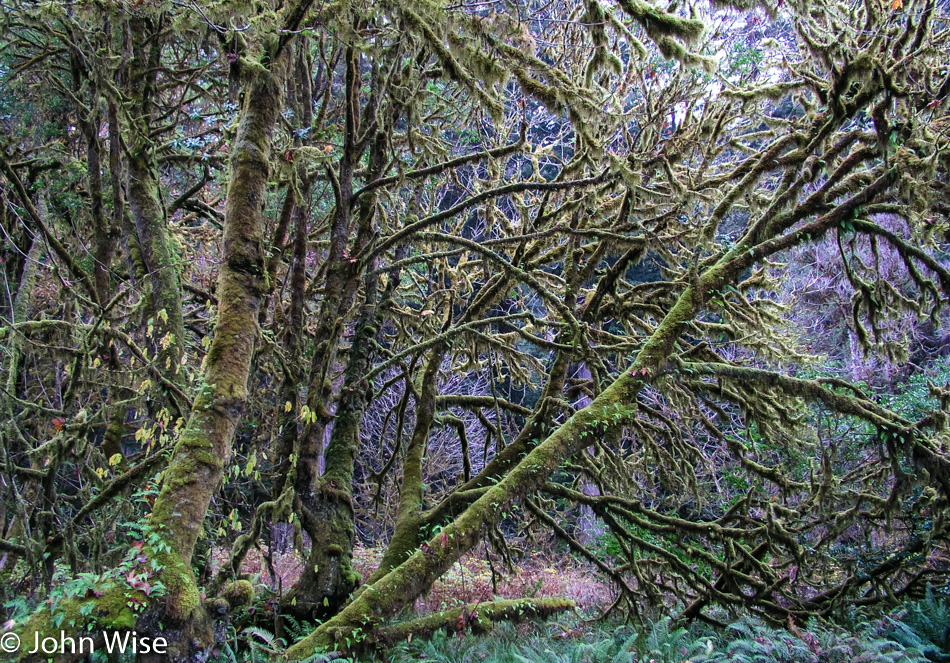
(924, 625)
(758, 643)
(665, 644)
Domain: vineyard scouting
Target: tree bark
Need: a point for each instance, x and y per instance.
(408, 528)
(151, 225)
(197, 465)
(325, 501)
(328, 577)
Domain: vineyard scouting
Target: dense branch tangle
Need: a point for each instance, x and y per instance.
(729, 186)
(496, 254)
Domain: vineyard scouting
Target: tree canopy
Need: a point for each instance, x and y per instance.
(424, 274)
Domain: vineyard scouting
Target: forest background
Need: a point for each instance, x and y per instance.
(660, 288)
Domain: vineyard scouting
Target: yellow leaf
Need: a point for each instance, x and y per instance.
(115, 459)
(288, 407)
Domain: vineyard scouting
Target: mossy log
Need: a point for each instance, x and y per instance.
(178, 613)
(474, 617)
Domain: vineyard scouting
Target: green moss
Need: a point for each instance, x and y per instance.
(238, 593)
(183, 597)
(546, 94)
(111, 611)
(220, 606)
(658, 22)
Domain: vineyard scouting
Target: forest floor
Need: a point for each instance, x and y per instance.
(915, 632)
(470, 580)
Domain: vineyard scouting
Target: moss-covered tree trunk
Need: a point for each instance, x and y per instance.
(408, 528)
(339, 290)
(328, 577)
(15, 528)
(294, 374)
(106, 233)
(194, 473)
(297, 208)
(154, 241)
(325, 499)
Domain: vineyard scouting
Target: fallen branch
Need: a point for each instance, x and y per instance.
(475, 617)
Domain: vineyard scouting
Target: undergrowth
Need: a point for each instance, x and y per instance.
(917, 633)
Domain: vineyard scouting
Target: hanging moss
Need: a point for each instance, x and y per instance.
(546, 94)
(479, 61)
(455, 70)
(658, 22)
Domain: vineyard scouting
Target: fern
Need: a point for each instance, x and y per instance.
(758, 643)
(605, 650)
(745, 641)
(660, 644)
(297, 629)
(664, 645)
(582, 653)
(262, 635)
(622, 655)
(227, 654)
(924, 625)
(323, 658)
